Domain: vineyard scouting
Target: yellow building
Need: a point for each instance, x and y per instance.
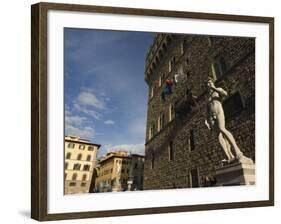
(80, 161)
(120, 171)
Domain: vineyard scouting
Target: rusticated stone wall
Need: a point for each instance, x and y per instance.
(184, 150)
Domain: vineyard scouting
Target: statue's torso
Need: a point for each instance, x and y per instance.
(214, 103)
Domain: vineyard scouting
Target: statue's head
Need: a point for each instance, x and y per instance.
(209, 81)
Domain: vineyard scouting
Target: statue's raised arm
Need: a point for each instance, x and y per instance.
(219, 90)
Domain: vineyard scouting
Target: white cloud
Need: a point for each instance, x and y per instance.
(73, 125)
(90, 112)
(110, 122)
(74, 120)
(84, 132)
(132, 148)
(90, 99)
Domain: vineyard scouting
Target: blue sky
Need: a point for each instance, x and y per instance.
(105, 91)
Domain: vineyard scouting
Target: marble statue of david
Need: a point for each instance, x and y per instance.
(216, 121)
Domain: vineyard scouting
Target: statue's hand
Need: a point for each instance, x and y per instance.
(207, 124)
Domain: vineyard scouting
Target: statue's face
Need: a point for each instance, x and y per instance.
(209, 83)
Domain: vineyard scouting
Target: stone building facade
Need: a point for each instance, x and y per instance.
(120, 171)
(180, 151)
(80, 162)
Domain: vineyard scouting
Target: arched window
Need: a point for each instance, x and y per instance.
(84, 177)
(160, 54)
(82, 147)
(68, 155)
(194, 178)
(86, 167)
(164, 47)
(153, 66)
(76, 166)
(171, 111)
(160, 80)
(71, 145)
(74, 176)
(191, 140)
(79, 157)
(88, 157)
(171, 151)
(91, 148)
(157, 60)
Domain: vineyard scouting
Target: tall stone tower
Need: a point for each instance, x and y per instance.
(180, 151)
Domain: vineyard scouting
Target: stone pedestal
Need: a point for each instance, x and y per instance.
(235, 174)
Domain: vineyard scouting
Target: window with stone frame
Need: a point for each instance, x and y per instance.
(68, 155)
(184, 46)
(72, 184)
(74, 176)
(171, 150)
(65, 166)
(152, 89)
(171, 111)
(91, 148)
(79, 156)
(172, 63)
(86, 167)
(194, 178)
(191, 141)
(152, 159)
(82, 147)
(76, 166)
(84, 177)
(151, 131)
(160, 122)
(88, 157)
(160, 80)
(71, 145)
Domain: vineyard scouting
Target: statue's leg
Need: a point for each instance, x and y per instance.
(226, 147)
(229, 137)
